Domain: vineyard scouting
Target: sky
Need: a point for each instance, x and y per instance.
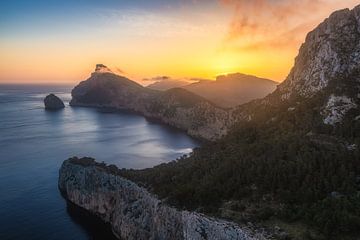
(53, 41)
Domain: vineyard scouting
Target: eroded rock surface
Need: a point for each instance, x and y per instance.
(133, 212)
(331, 50)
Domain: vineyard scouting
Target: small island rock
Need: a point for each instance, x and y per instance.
(52, 102)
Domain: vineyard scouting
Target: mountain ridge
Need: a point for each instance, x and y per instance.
(226, 91)
(176, 107)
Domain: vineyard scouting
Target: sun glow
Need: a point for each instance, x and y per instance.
(197, 40)
(226, 63)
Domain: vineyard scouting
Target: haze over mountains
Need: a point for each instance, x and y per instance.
(165, 83)
(226, 91)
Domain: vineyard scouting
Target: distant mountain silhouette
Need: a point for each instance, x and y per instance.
(168, 84)
(226, 91)
(232, 89)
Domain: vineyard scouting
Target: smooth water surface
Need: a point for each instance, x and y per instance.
(34, 142)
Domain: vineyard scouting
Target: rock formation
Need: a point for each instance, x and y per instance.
(331, 51)
(327, 68)
(52, 102)
(133, 212)
(176, 107)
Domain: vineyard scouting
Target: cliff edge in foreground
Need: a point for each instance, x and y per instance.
(132, 211)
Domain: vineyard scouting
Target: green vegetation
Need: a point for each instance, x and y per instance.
(283, 164)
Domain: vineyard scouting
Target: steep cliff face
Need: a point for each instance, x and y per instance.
(176, 107)
(327, 68)
(132, 211)
(331, 50)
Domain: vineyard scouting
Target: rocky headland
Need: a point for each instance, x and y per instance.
(176, 107)
(133, 212)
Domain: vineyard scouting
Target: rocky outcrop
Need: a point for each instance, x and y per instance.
(52, 102)
(132, 211)
(336, 108)
(331, 50)
(176, 107)
(326, 69)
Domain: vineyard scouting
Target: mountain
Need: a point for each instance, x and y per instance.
(232, 89)
(292, 159)
(167, 84)
(226, 91)
(289, 163)
(176, 107)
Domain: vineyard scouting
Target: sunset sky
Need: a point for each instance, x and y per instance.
(51, 41)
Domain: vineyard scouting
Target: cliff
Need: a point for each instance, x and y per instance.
(132, 211)
(176, 107)
(327, 69)
(330, 52)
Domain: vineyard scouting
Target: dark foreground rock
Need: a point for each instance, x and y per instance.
(132, 211)
(52, 102)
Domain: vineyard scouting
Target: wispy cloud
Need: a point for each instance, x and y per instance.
(259, 24)
(158, 78)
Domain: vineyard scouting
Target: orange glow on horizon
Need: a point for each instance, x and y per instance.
(191, 45)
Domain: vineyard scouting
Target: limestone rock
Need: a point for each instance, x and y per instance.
(133, 212)
(336, 108)
(331, 50)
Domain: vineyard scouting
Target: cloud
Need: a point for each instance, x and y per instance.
(158, 78)
(280, 24)
(119, 70)
(171, 79)
(199, 79)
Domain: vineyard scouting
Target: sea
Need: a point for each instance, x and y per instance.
(34, 143)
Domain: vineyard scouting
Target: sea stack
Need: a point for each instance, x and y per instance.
(53, 102)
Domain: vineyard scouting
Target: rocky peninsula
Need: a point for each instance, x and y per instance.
(132, 211)
(176, 107)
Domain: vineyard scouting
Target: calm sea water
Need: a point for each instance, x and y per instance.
(34, 143)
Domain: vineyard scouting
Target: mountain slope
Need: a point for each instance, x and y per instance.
(176, 107)
(293, 157)
(233, 89)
